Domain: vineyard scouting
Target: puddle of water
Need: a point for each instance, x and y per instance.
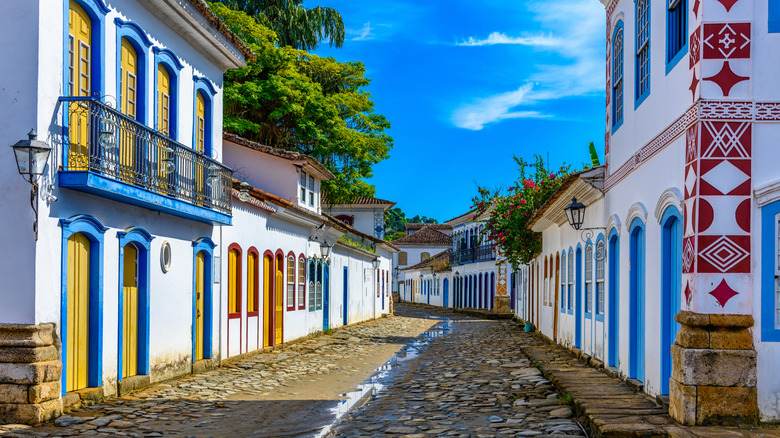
(382, 376)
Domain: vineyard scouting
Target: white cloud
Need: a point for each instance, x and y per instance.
(363, 34)
(495, 38)
(476, 115)
(567, 60)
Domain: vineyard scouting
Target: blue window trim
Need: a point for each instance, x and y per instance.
(641, 98)
(768, 238)
(773, 14)
(671, 285)
(205, 245)
(564, 285)
(588, 315)
(569, 299)
(143, 241)
(613, 293)
(97, 11)
(170, 62)
(671, 63)
(578, 269)
(93, 230)
(137, 38)
(204, 86)
(617, 123)
(637, 299)
(599, 315)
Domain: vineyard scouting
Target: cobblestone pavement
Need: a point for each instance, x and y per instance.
(291, 391)
(471, 380)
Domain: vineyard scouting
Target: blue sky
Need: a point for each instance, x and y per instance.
(466, 84)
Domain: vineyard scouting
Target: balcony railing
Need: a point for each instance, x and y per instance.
(103, 141)
(476, 254)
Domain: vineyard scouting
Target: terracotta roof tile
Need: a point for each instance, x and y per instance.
(426, 236)
(439, 262)
(277, 152)
(204, 9)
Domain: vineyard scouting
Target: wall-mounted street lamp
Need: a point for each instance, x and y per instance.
(243, 191)
(376, 262)
(31, 157)
(325, 249)
(575, 213)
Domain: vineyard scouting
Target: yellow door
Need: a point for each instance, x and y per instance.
(128, 87)
(267, 301)
(130, 312)
(251, 286)
(163, 124)
(200, 269)
(278, 304)
(77, 360)
(79, 83)
(233, 291)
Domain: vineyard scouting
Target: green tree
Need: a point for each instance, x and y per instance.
(291, 99)
(296, 26)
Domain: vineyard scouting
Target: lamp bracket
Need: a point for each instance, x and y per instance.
(587, 233)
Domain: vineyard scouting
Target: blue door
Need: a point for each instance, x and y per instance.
(446, 293)
(326, 297)
(383, 290)
(512, 292)
(428, 291)
(578, 301)
(636, 293)
(492, 289)
(614, 262)
(346, 295)
(671, 283)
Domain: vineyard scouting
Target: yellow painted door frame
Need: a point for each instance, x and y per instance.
(77, 336)
(163, 124)
(200, 286)
(278, 303)
(130, 311)
(267, 312)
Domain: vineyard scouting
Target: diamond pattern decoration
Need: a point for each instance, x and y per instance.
(727, 140)
(723, 293)
(696, 8)
(726, 79)
(695, 44)
(690, 181)
(726, 41)
(724, 254)
(694, 85)
(688, 254)
(728, 4)
(688, 292)
(725, 177)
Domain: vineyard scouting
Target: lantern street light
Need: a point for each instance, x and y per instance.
(376, 263)
(575, 213)
(325, 249)
(31, 157)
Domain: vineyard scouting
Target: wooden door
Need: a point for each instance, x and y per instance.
(128, 86)
(80, 84)
(200, 287)
(278, 306)
(77, 347)
(164, 164)
(200, 145)
(267, 311)
(130, 312)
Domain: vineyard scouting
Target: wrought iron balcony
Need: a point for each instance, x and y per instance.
(111, 155)
(471, 255)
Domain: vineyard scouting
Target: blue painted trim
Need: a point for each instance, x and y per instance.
(137, 38)
(492, 289)
(578, 304)
(206, 246)
(670, 28)
(93, 230)
(569, 299)
(564, 284)
(617, 123)
(204, 86)
(105, 187)
(671, 284)
(600, 315)
(768, 238)
(614, 297)
(143, 242)
(345, 304)
(588, 302)
(641, 98)
(637, 300)
(170, 62)
(97, 11)
(326, 296)
(773, 14)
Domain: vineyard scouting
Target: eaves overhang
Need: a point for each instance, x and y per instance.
(587, 186)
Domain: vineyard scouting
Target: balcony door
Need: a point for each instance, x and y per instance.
(128, 102)
(79, 84)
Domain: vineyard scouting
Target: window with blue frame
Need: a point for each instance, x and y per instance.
(600, 255)
(676, 31)
(770, 268)
(588, 278)
(773, 12)
(563, 281)
(617, 76)
(642, 70)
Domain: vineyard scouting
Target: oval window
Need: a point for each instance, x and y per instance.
(165, 256)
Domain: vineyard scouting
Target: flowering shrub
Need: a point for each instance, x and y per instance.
(507, 217)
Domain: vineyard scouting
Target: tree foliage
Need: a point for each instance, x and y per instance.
(508, 216)
(395, 219)
(291, 99)
(296, 26)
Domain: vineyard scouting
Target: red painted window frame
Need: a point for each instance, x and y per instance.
(235, 247)
(291, 306)
(302, 262)
(255, 271)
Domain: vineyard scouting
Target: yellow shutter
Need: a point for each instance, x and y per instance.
(130, 312)
(232, 281)
(267, 311)
(278, 303)
(80, 83)
(129, 105)
(251, 283)
(163, 101)
(200, 123)
(77, 360)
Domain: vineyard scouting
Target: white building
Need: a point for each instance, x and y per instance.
(364, 213)
(413, 249)
(429, 282)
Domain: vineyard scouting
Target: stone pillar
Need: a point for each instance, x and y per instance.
(714, 370)
(714, 362)
(30, 373)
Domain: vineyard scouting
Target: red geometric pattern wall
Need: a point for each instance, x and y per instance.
(716, 242)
